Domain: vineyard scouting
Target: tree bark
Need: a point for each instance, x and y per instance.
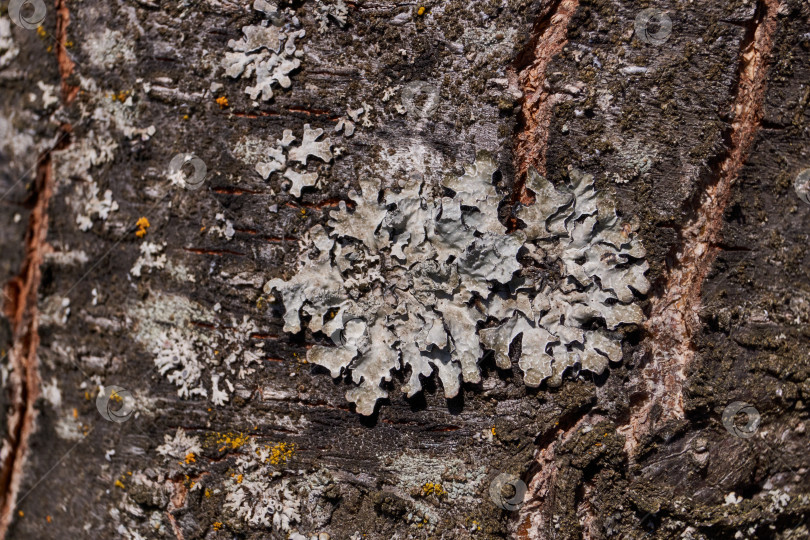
(122, 276)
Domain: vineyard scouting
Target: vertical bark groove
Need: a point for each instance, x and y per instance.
(549, 36)
(21, 309)
(674, 316)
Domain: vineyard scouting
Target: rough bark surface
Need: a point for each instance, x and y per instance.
(697, 139)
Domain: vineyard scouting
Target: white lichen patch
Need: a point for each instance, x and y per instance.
(266, 50)
(96, 205)
(192, 359)
(108, 48)
(8, 49)
(458, 480)
(412, 279)
(284, 155)
(334, 10)
(179, 445)
(150, 257)
(261, 499)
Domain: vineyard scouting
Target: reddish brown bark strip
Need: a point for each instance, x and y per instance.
(674, 316)
(535, 519)
(66, 65)
(24, 379)
(22, 291)
(549, 36)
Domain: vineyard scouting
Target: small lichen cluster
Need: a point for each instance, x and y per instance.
(284, 155)
(187, 358)
(262, 502)
(332, 9)
(266, 50)
(427, 279)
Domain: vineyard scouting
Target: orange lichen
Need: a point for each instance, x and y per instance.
(142, 225)
(190, 458)
(222, 101)
(231, 441)
(430, 488)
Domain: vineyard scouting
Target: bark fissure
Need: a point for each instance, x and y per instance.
(549, 36)
(22, 292)
(24, 317)
(674, 314)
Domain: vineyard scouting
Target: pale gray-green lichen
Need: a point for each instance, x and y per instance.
(414, 280)
(266, 50)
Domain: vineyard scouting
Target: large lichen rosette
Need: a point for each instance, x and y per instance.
(413, 281)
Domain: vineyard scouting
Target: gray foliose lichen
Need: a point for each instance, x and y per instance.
(418, 282)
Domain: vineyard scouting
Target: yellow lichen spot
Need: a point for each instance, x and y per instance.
(207, 492)
(120, 484)
(222, 101)
(185, 117)
(493, 431)
(239, 479)
(48, 519)
(75, 412)
(41, 32)
(69, 44)
(217, 525)
(190, 458)
(280, 452)
(49, 49)
(129, 473)
(142, 225)
(431, 488)
(120, 96)
(20, 513)
(87, 396)
(420, 11)
(231, 440)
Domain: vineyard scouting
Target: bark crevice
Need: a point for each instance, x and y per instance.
(674, 314)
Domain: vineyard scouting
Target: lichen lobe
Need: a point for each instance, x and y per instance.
(427, 278)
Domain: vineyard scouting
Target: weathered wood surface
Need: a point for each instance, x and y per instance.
(719, 108)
